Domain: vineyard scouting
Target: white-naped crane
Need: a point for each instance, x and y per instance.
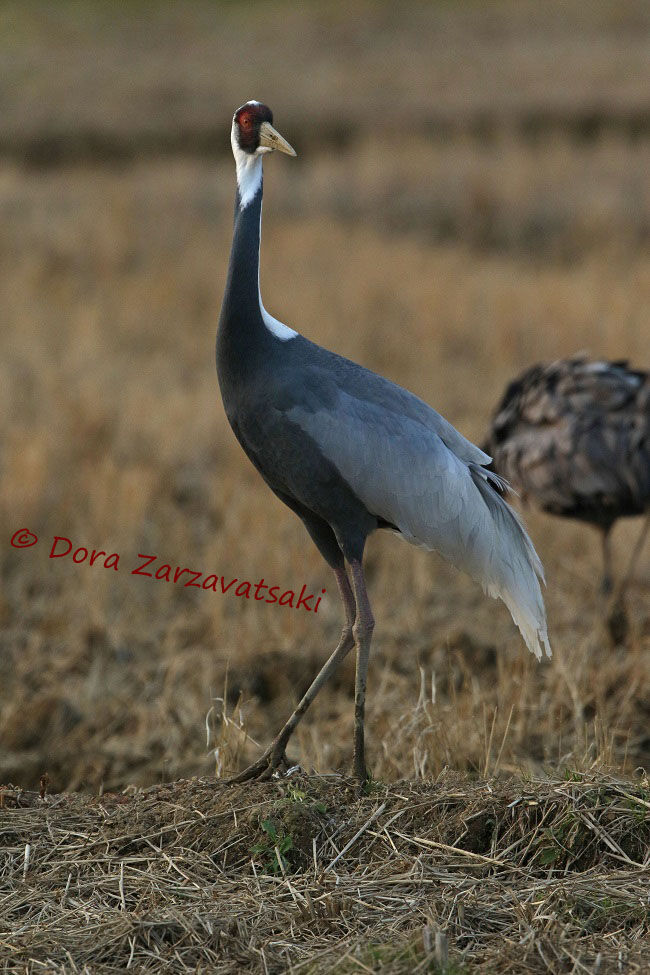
(573, 438)
(350, 452)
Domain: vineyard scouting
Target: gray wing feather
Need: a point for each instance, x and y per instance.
(414, 470)
(332, 375)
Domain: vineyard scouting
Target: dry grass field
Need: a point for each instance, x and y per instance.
(302, 876)
(471, 195)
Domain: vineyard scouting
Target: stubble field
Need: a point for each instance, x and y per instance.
(471, 195)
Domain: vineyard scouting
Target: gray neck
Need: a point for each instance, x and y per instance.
(242, 335)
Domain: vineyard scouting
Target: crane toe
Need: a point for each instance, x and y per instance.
(273, 760)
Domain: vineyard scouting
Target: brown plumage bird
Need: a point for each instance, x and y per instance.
(573, 438)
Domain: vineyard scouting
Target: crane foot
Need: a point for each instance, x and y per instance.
(273, 760)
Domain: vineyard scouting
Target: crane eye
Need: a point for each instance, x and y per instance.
(245, 121)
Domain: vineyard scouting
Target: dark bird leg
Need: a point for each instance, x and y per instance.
(363, 628)
(617, 618)
(616, 622)
(636, 551)
(606, 584)
(274, 754)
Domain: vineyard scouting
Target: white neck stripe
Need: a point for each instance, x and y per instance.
(249, 171)
(279, 329)
(249, 177)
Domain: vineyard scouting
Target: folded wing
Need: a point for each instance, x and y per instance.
(422, 476)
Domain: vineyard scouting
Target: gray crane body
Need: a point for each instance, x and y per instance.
(349, 451)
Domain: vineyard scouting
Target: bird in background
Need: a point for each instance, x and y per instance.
(573, 438)
(350, 452)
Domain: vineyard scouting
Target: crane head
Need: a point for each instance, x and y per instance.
(253, 132)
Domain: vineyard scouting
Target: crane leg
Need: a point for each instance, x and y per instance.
(613, 607)
(606, 584)
(636, 551)
(616, 616)
(362, 630)
(273, 757)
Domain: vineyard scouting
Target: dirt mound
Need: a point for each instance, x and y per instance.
(301, 874)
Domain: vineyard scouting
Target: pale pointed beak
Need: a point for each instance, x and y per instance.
(271, 139)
